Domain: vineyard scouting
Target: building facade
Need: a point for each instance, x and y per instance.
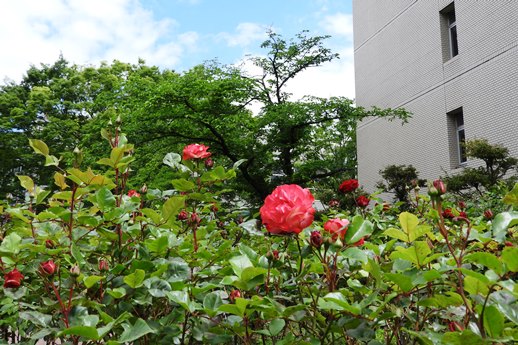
(452, 64)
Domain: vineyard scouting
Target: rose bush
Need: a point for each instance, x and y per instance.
(187, 266)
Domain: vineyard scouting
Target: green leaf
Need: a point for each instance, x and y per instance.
(276, 326)
(475, 286)
(493, 321)
(157, 287)
(158, 245)
(417, 253)
(51, 160)
(510, 258)
(238, 308)
(132, 333)
(358, 229)
(486, 259)
(396, 233)
(409, 223)
(183, 185)
(239, 263)
(462, 338)
(511, 198)
(135, 279)
(211, 302)
(91, 281)
(172, 206)
(250, 273)
(37, 318)
(39, 147)
(337, 301)
(76, 253)
(117, 292)
(501, 223)
(181, 298)
(355, 253)
(59, 180)
(404, 282)
(82, 331)
(11, 244)
(105, 199)
(27, 183)
(174, 160)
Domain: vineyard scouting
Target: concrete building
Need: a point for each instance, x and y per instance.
(453, 64)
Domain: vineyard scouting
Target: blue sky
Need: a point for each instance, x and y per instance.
(175, 34)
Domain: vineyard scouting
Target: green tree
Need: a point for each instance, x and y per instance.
(398, 180)
(288, 141)
(496, 165)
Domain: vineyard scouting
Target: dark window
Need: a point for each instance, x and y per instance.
(449, 32)
(457, 137)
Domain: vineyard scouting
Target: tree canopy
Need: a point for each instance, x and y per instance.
(287, 141)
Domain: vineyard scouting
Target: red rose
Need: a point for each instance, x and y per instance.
(336, 227)
(195, 151)
(48, 267)
(103, 266)
(463, 214)
(13, 279)
(316, 239)
(288, 209)
(447, 213)
(362, 201)
(461, 204)
(194, 219)
(348, 186)
(133, 193)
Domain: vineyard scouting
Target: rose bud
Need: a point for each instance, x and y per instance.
(194, 219)
(461, 204)
(440, 186)
(48, 267)
(361, 242)
(463, 214)
(133, 193)
(214, 208)
(209, 163)
(334, 203)
(386, 207)
(316, 239)
(273, 255)
(234, 294)
(50, 244)
(183, 215)
(103, 266)
(362, 201)
(488, 214)
(13, 279)
(143, 189)
(508, 244)
(75, 271)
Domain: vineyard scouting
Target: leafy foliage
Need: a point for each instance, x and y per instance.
(496, 164)
(177, 266)
(288, 141)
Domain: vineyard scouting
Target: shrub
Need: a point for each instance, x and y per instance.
(88, 261)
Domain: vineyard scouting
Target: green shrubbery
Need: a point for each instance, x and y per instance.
(101, 264)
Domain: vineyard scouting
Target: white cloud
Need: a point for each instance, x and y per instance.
(339, 24)
(244, 35)
(85, 32)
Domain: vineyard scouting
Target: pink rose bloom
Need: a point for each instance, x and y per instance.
(133, 193)
(195, 151)
(336, 227)
(288, 209)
